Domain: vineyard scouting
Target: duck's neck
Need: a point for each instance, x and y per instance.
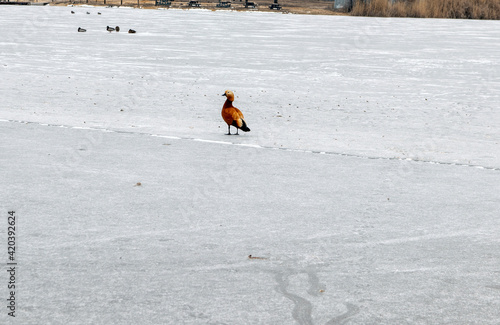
(228, 103)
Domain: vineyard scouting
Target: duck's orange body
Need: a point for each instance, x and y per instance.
(232, 115)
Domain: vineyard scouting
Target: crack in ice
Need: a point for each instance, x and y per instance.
(331, 153)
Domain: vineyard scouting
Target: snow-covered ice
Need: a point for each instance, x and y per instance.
(368, 187)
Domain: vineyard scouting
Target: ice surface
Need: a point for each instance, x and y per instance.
(368, 186)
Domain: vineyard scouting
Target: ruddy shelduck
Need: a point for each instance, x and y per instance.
(232, 115)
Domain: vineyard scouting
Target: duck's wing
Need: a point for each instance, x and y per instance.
(238, 118)
(236, 113)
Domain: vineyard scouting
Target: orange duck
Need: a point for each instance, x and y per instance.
(232, 115)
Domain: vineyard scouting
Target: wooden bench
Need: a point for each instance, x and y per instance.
(224, 4)
(163, 3)
(249, 4)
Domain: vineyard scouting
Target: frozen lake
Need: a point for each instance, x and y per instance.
(368, 187)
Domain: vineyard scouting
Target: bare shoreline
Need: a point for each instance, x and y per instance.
(316, 8)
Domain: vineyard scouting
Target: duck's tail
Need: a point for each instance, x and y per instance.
(244, 126)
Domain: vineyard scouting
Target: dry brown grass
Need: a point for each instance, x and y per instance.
(377, 8)
(464, 9)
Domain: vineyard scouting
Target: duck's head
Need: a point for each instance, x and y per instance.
(229, 94)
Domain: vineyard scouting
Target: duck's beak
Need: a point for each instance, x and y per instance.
(224, 94)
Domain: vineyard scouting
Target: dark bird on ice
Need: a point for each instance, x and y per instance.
(232, 115)
(131, 31)
(117, 28)
(81, 30)
(109, 29)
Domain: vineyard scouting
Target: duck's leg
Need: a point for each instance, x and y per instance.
(228, 130)
(237, 131)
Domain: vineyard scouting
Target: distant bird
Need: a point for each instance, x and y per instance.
(88, 13)
(81, 30)
(117, 28)
(98, 13)
(232, 115)
(109, 29)
(72, 12)
(131, 31)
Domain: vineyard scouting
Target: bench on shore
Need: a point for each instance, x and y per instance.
(249, 4)
(224, 4)
(194, 3)
(163, 3)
